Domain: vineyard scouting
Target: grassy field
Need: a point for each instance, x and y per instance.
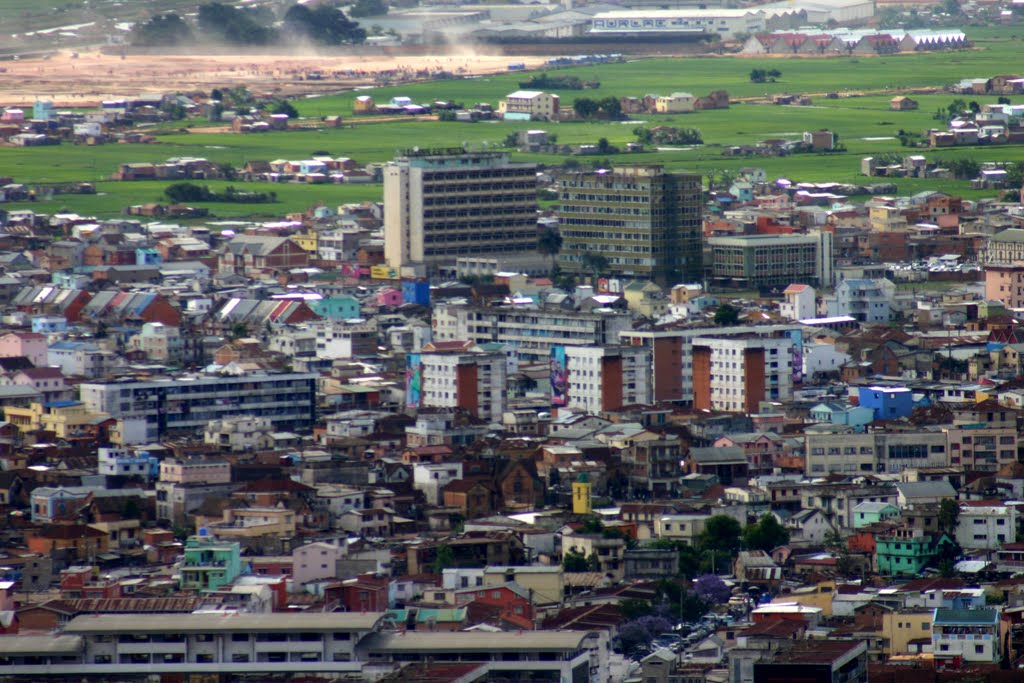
(111, 196)
(700, 75)
(864, 125)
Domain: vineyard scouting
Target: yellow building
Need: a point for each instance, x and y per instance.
(66, 419)
(249, 523)
(645, 298)
(545, 584)
(309, 241)
(901, 627)
(819, 596)
(581, 496)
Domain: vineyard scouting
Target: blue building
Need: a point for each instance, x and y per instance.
(47, 324)
(416, 292)
(147, 256)
(888, 403)
(839, 414)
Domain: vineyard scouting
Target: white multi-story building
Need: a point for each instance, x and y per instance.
(461, 375)
(986, 527)
(605, 378)
(799, 303)
(822, 357)
(736, 374)
(868, 301)
(531, 331)
(127, 462)
(431, 478)
(345, 339)
(241, 433)
(672, 354)
(187, 403)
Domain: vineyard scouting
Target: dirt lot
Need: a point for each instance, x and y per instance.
(84, 79)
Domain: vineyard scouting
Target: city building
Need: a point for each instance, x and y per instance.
(868, 301)
(772, 261)
(906, 552)
(189, 402)
(1005, 283)
(209, 563)
(606, 378)
(458, 375)
(736, 374)
(840, 449)
(1004, 248)
(672, 353)
(962, 637)
(443, 204)
(529, 104)
(799, 303)
(986, 527)
(532, 331)
(641, 220)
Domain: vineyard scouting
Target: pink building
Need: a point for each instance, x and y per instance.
(12, 115)
(389, 297)
(31, 345)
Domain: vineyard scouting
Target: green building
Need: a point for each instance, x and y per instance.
(633, 221)
(907, 551)
(336, 308)
(867, 513)
(209, 563)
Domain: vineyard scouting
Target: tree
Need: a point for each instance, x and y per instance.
(726, 315)
(162, 30)
(764, 75)
(322, 24)
(368, 8)
(721, 538)
(594, 262)
(284, 107)
(585, 108)
(233, 25)
(711, 588)
(549, 243)
(765, 534)
(949, 515)
(611, 107)
(634, 608)
(575, 561)
(181, 193)
(444, 559)
(836, 544)
(640, 631)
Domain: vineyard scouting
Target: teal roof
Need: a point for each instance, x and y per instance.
(440, 615)
(984, 616)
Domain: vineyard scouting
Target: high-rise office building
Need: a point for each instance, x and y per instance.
(644, 222)
(443, 204)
